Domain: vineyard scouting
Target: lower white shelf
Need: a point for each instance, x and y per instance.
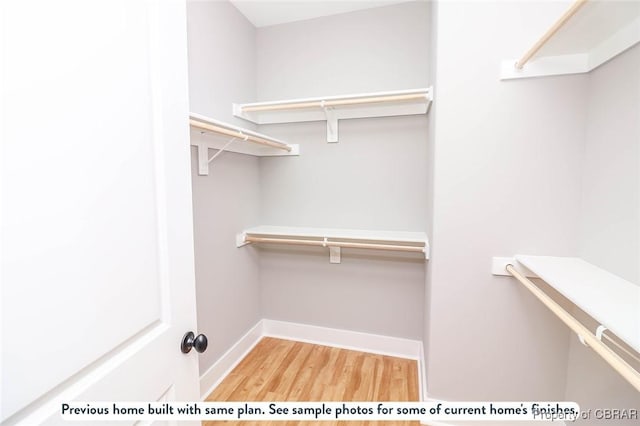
(609, 299)
(335, 239)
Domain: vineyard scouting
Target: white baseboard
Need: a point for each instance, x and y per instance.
(227, 362)
(422, 375)
(346, 339)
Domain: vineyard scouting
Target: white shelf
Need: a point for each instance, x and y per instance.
(589, 34)
(334, 108)
(609, 299)
(209, 133)
(335, 239)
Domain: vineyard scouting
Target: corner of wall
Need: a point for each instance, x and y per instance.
(227, 200)
(430, 186)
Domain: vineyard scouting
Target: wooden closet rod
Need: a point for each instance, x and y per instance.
(573, 9)
(612, 358)
(332, 103)
(238, 134)
(322, 243)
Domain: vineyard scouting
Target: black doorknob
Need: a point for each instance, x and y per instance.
(190, 340)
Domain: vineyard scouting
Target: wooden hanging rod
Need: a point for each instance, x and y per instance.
(238, 134)
(612, 358)
(327, 243)
(335, 102)
(573, 9)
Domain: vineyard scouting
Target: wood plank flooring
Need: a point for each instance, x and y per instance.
(284, 370)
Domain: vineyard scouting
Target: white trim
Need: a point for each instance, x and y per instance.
(345, 339)
(227, 362)
(422, 375)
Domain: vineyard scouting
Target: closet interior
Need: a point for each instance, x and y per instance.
(421, 162)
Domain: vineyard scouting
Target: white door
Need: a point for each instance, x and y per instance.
(98, 285)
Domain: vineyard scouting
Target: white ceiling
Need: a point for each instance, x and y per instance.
(262, 13)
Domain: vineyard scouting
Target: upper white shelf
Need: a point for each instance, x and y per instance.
(335, 239)
(209, 133)
(334, 108)
(609, 299)
(587, 35)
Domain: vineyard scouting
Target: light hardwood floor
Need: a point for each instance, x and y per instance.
(284, 370)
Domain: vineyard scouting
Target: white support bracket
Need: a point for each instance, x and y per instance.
(241, 239)
(601, 329)
(499, 267)
(332, 124)
(334, 254)
(203, 159)
(203, 155)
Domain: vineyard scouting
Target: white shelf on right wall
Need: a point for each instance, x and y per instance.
(588, 34)
(607, 298)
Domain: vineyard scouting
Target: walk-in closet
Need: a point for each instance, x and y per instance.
(413, 155)
(215, 202)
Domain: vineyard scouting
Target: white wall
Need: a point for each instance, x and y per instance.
(375, 177)
(544, 166)
(222, 71)
(378, 49)
(610, 216)
(222, 59)
(431, 119)
(507, 180)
